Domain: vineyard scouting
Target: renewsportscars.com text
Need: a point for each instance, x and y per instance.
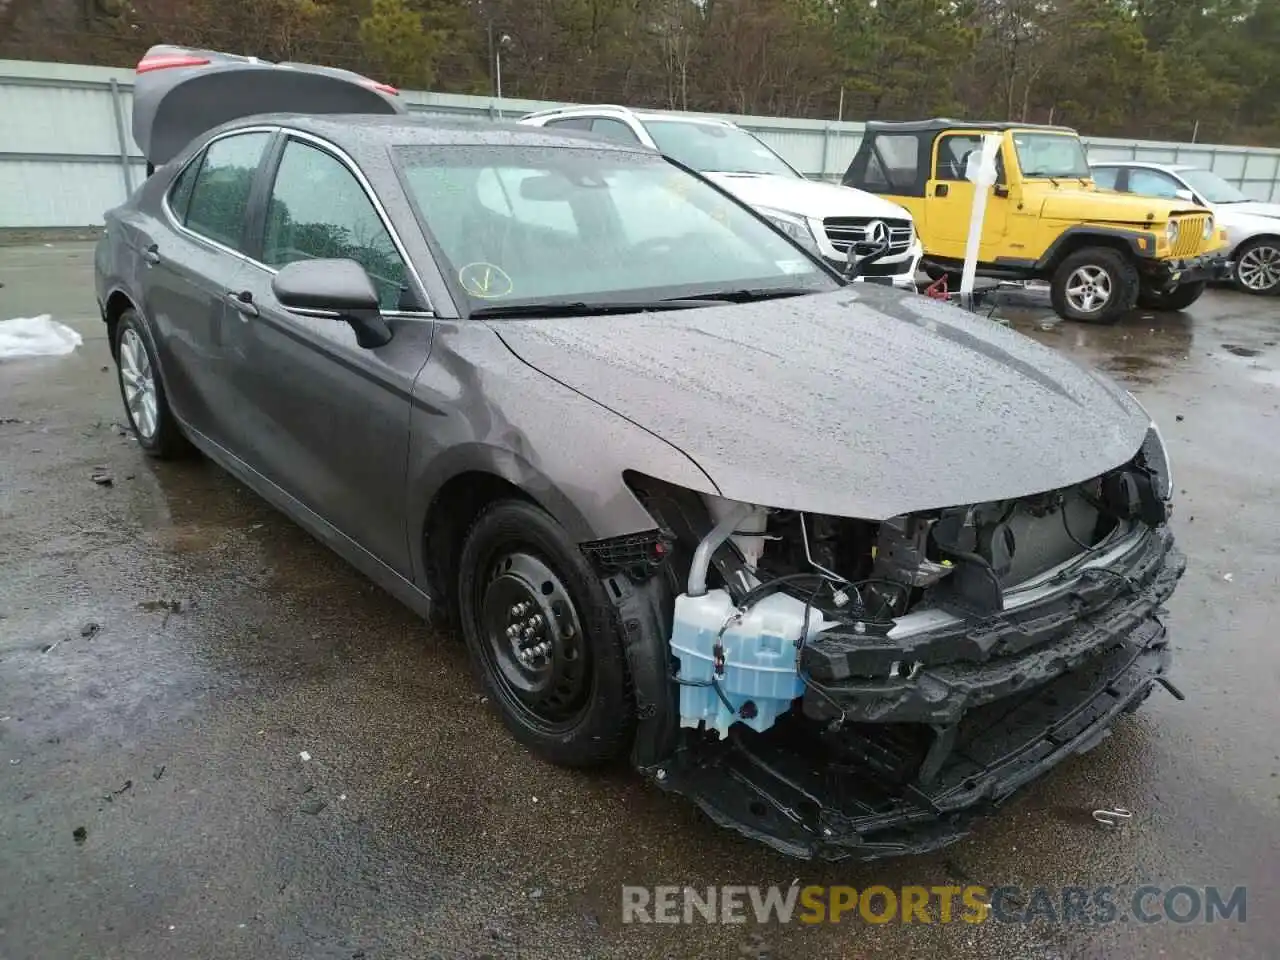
(940, 904)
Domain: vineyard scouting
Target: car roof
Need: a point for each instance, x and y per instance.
(1153, 164)
(614, 110)
(357, 133)
(938, 124)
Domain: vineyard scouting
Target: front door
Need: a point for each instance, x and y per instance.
(950, 199)
(328, 419)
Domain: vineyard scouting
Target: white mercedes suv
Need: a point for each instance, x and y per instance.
(824, 217)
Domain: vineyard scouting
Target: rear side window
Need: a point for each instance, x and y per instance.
(219, 200)
(318, 210)
(614, 130)
(180, 192)
(1106, 177)
(893, 162)
(570, 123)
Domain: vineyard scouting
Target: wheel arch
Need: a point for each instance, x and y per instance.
(113, 309)
(1077, 239)
(1253, 238)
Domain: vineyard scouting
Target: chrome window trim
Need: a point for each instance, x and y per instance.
(346, 161)
(168, 211)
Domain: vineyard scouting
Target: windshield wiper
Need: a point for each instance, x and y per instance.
(581, 308)
(751, 294)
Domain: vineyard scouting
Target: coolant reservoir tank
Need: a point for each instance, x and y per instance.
(758, 677)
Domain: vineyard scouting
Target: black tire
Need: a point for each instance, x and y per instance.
(164, 440)
(1179, 298)
(1106, 265)
(1259, 254)
(574, 705)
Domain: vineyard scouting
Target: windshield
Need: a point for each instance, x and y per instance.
(716, 148)
(1212, 187)
(1051, 155)
(529, 225)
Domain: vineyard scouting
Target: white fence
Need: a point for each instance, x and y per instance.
(67, 151)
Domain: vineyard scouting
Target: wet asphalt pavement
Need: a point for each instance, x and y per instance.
(170, 646)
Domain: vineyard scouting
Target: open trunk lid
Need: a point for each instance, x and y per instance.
(181, 92)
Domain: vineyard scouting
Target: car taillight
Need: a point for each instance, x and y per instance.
(170, 60)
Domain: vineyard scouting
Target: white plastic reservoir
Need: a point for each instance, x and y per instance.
(760, 658)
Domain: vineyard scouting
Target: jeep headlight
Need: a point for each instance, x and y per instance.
(797, 228)
(1208, 228)
(1171, 232)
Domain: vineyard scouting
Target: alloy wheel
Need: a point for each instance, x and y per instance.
(138, 380)
(1089, 289)
(1259, 268)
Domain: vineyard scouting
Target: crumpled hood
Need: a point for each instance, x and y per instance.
(1106, 206)
(807, 198)
(864, 402)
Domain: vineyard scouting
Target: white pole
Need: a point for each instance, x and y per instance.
(497, 57)
(983, 176)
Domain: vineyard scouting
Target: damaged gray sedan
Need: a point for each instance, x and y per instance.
(845, 566)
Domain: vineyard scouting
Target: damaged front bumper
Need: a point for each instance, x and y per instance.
(870, 768)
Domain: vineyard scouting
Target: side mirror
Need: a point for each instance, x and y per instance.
(337, 290)
(1182, 193)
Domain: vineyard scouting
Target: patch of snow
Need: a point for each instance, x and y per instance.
(40, 336)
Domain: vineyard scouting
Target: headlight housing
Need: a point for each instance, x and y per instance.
(797, 228)
(1171, 232)
(1208, 228)
(1155, 456)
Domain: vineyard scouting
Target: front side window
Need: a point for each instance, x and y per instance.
(219, 201)
(1153, 183)
(716, 148)
(535, 225)
(319, 211)
(1049, 155)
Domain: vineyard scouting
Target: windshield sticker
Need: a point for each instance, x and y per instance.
(794, 266)
(485, 281)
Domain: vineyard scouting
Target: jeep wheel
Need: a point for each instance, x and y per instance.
(1257, 267)
(1096, 284)
(1179, 298)
(543, 638)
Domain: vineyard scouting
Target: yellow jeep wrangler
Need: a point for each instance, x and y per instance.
(1101, 252)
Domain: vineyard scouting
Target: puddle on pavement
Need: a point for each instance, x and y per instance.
(1240, 351)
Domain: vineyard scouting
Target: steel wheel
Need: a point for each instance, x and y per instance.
(138, 381)
(1089, 289)
(1258, 269)
(534, 639)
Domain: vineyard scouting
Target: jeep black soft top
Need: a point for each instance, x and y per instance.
(181, 92)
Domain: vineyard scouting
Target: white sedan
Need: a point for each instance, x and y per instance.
(1253, 226)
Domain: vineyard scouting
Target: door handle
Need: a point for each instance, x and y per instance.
(941, 190)
(151, 255)
(243, 301)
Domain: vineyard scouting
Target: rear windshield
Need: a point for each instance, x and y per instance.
(534, 224)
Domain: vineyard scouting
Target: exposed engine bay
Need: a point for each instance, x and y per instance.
(857, 677)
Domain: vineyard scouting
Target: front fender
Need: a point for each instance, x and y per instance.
(478, 408)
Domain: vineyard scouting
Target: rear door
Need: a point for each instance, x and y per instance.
(190, 268)
(950, 198)
(327, 420)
